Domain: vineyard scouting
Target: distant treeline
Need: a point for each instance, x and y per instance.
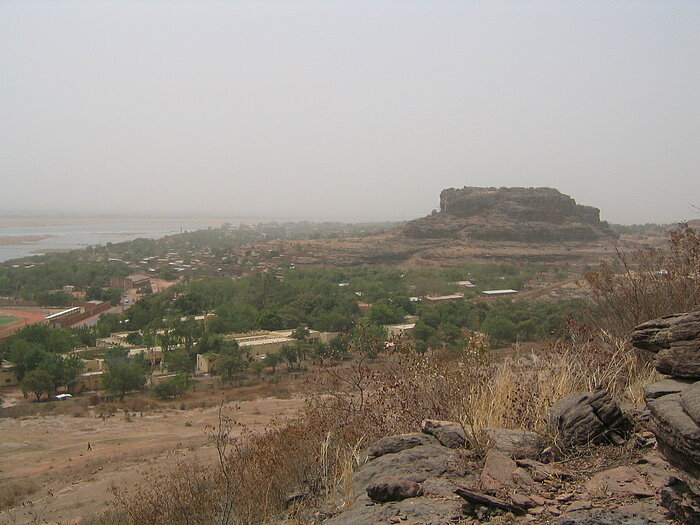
(636, 229)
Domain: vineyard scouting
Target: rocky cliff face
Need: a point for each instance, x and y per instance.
(509, 214)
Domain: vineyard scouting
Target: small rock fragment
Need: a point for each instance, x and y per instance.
(393, 488)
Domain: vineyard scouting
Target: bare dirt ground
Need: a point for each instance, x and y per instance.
(158, 285)
(48, 456)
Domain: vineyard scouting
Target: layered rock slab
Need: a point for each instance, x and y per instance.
(585, 417)
(676, 341)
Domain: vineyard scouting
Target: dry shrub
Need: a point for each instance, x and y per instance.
(186, 494)
(254, 475)
(519, 391)
(12, 493)
(646, 284)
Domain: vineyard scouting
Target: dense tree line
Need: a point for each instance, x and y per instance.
(52, 272)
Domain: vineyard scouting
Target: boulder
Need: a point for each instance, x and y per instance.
(585, 417)
(677, 434)
(393, 444)
(690, 402)
(621, 480)
(516, 443)
(393, 488)
(411, 511)
(674, 405)
(665, 387)
(681, 501)
(448, 433)
(676, 341)
(416, 464)
(497, 473)
(407, 482)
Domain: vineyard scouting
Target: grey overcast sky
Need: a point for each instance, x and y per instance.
(348, 110)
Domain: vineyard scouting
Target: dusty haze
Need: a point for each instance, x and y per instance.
(347, 110)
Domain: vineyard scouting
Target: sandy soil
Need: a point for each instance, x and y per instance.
(13, 240)
(49, 454)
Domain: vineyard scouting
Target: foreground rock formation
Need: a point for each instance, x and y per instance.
(676, 341)
(583, 417)
(434, 478)
(675, 405)
(509, 214)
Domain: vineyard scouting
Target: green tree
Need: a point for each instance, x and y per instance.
(368, 339)
(178, 360)
(39, 382)
(269, 320)
(134, 338)
(423, 331)
(231, 359)
(175, 386)
(236, 318)
(300, 333)
(63, 370)
(385, 312)
(258, 367)
(124, 375)
(289, 354)
(25, 355)
(500, 328)
(188, 331)
(272, 360)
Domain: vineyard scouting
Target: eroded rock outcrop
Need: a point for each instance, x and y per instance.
(674, 405)
(409, 479)
(676, 341)
(585, 417)
(509, 214)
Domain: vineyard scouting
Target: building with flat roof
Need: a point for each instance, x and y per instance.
(130, 282)
(8, 377)
(93, 365)
(443, 298)
(92, 381)
(396, 330)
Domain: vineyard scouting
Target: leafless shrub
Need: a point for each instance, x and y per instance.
(645, 284)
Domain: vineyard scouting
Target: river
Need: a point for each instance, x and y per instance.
(16, 235)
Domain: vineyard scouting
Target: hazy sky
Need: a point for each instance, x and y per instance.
(347, 110)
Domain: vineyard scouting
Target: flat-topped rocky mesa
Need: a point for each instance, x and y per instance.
(509, 214)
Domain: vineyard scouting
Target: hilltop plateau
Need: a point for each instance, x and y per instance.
(510, 214)
(475, 225)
